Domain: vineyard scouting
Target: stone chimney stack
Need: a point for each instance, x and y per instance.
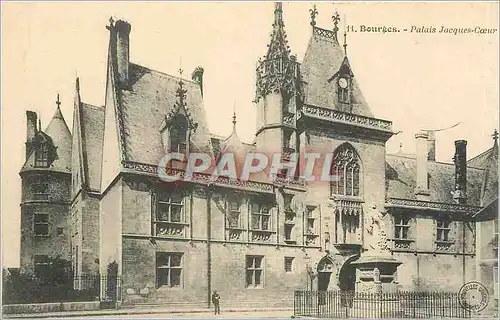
(460, 160)
(31, 130)
(197, 76)
(431, 146)
(422, 185)
(122, 51)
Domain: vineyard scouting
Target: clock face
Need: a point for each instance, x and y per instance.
(343, 83)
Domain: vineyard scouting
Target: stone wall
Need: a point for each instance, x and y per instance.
(57, 242)
(110, 225)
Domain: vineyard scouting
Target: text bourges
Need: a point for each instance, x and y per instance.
(422, 29)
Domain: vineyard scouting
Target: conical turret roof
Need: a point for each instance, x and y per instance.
(61, 137)
(58, 136)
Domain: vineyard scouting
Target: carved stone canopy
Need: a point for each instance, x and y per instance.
(180, 107)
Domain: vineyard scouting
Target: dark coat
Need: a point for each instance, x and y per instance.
(215, 298)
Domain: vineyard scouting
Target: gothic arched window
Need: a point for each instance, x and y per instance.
(345, 171)
(179, 134)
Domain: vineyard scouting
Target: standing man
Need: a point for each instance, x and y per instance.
(215, 301)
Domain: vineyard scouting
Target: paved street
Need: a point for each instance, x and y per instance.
(203, 315)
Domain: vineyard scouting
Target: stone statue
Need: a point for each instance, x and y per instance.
(376, 275)
(375, 226)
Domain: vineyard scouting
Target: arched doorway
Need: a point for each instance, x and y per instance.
(347, 277)
(347, 281)
(325, 270)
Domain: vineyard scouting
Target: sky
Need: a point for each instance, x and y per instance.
(416, 80)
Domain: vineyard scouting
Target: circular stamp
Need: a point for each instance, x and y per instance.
(473, 296)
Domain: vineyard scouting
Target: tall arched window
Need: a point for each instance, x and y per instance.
(178, 134)
(345, 171)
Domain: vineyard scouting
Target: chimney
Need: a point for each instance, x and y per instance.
(431, 146)
(31, 130)
(122, 50)
(197, 76)
(460, 160)
(422, 186)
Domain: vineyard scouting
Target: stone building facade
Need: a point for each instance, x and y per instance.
(259, 240)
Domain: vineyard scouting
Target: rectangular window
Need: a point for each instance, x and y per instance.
(443, 229)
(401, 227)
(261, 217)
(170, 206)
(77, 261)
(41, 265)
(40, 190)
(288, 264)
(343, 95)
(289, 218)
(288, 201)
(288, 149)
(233, 213)
(60, 231)
(495, 282)
(310, 219)
(254, 271)
(168, 269)
(41, 224)
(42, 156)
(495, 238)
(288, 233)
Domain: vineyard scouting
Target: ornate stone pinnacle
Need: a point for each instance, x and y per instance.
(313, 13)
(58, 102)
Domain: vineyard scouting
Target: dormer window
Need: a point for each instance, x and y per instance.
(343, 89)
(179, 134)
(42, 155)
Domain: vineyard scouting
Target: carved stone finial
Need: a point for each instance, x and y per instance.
(495, 137)
(314, 12)
(58, 102)
(336, 19)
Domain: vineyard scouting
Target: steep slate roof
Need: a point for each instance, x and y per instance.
(60, 138)
(481, 160)
(401, 180)
(490, 185)
(324, 57)
(92, 123)
(144, 106)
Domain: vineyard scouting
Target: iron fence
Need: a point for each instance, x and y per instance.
(349, 304)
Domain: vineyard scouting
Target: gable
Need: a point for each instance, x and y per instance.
(153, 97)
(324, 60)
